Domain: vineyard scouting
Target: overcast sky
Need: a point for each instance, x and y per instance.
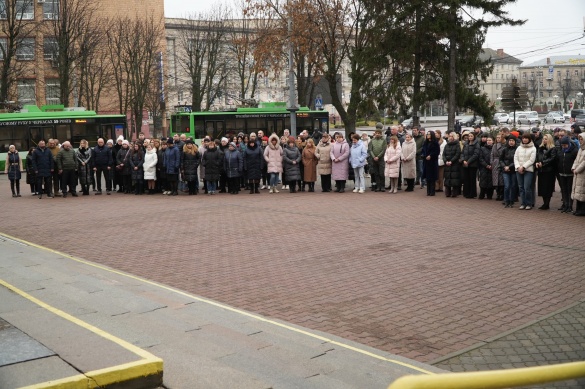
(550, 23)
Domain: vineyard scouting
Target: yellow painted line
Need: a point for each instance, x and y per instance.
(147, 366)
(226, 307)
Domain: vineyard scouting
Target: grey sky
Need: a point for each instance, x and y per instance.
(549, 24)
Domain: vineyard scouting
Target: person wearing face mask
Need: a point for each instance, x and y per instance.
(83, 156)
(67, 166)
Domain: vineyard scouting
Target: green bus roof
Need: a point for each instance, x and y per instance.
(270, 109)
(47, 112)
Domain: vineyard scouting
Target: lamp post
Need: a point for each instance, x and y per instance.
(580, 94)
(555, 97)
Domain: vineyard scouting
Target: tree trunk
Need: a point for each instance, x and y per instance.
(452, 80)
(417, 70)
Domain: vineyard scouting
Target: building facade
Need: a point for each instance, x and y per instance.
(505, 70)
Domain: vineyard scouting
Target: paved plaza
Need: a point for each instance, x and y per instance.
(421, 277)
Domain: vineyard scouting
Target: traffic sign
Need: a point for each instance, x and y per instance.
(319, 101)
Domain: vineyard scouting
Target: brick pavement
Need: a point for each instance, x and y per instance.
(416, 276)
(559, 338)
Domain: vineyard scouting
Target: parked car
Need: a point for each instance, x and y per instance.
(554, 117)
(528, 118)
(501, 118)
(407, 123)
(580, 120)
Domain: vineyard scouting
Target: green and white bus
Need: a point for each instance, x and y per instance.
(26, 128)
(270, 118)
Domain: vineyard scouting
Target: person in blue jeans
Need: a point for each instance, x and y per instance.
(524, 159)
(508, 171)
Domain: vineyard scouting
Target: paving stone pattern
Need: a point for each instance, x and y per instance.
(417, 276)
(557, 339)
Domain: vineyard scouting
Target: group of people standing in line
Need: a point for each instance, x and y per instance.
(507, 164)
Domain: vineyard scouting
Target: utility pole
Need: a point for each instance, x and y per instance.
(292, 106)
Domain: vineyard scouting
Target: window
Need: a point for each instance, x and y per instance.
(52, 91)
(576, 72)
(3, 43)
(180, 96)
(25, 9)
(51, 9)
(25, 49)
(26, 92)
(50, 48)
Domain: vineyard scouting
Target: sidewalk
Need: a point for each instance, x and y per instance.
(96, 323)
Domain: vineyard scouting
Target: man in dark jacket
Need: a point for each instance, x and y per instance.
(376, 150)
(67, 166)
(419, 140)
(43, 167)
(102, 164)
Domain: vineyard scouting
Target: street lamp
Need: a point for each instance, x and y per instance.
(580, 94)
(555, 97)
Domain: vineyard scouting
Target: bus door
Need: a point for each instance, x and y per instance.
(274, 126)
(44, 133)
(215, 128)
(321, 124)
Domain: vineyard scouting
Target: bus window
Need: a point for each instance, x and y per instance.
(44, 133)
(6, 139)
(63, 132)
(219, 130)
(199, 130)
(209, 130)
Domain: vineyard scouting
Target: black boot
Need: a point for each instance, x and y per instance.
(257, 188)
(251, 188)
(447, 191)
(546, 201)
(342, 190)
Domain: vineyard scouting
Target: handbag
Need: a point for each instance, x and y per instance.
(120, 167)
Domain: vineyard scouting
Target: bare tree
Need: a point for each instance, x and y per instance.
(15, 28)
(72, 28)
(566, 86)
(202, 54)
(134, 47)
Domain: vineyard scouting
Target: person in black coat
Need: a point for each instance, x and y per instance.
(190, 159)
(123, 166)
(43, 162)
(470, 161)
(546, 163)
(430, 157)
(233, 165)
(253, 164)
(136, 162)
(291, 158)
(102, 164)
(31, 178)
(565, 159)
(452, 171)
(213, 163)
(509, 172)
(486, 181)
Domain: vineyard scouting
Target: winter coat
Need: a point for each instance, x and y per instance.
(485, 175)
(470, 153)
(565, 160)
(136, 160)
(253, 162)
(548, 159)
(497, 178)
(310, 164)
(377, 148)
(172, 160)
(31, 177)
(578, 192)
(233, 163)
(525, 156)
(13, 166)
(431, 166)
(213, 162)
(339, 168)
(358, 154)
(409, 159)
(150, 161)
(323, 155)
(442, 148)
(189, 164)
(84, 170)
(452, 173)
(42, 162)
(292, 171)
(419, 140)
(507, 159)
(202, 151)
(102, 157)
(122, 157)
(392, 161)
(273, 155)
(66, 160)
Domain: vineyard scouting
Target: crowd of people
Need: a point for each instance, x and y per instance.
(509, 166)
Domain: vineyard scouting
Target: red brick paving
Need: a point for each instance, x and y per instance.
(416, 276)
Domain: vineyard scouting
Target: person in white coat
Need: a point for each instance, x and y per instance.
(524, 159)
(150, 161)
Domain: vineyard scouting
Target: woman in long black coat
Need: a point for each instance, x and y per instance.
(190, 159)
(136, 161)
(452, 171)
(430, 155)
(84, 171)
(123, 166)
(213, 162)
(291, 157)
(546, 163)
(470, 162)
(31, 178)
(253, 164)
(486, 181)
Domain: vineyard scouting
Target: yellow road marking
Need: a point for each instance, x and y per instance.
(226, 307)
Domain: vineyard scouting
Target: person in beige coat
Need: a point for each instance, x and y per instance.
(310, 163)
(392, 162)
(578, 191)
(323, 155)
(409, 162)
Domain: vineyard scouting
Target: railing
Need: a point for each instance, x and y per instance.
(494, 379)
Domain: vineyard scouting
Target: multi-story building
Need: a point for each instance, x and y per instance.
(556, 80)
(504, 71)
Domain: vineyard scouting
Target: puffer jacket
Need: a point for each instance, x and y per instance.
(548, 159)
(253, 162)
(150, 160)
(292, 171)
(84, 174)
(470, 153)
(42, 162)
(409, 159)
(189, 164)
(565, 160)
(507, 159)
(485, 175)
(525, 156)
(358, 154)
(452, 174)
(102, 157)
(213, 163)
(323, 155)
(233, 163)
(66, 160)
(273, 155)
(172, 160)
(392, 159)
